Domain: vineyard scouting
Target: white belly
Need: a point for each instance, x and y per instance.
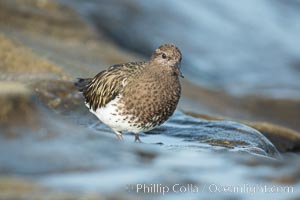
(109, 116)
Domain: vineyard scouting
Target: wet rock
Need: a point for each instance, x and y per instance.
(20, 63)
(26, 189)
(18, 108)
(59, 96)
(227, 134)
(283, 138)
(44, 17)
(57, 35)
(56, 149)
(283, 112)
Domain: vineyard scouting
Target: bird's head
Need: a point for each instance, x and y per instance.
(168, 55)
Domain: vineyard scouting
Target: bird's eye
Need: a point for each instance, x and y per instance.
(164, 56)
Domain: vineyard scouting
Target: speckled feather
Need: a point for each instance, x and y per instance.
(106, 85)
(136, 96)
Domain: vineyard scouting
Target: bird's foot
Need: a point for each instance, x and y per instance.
(119, 135)
(137, 138)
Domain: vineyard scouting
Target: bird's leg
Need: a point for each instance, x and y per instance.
(137, 138)
(119, 135)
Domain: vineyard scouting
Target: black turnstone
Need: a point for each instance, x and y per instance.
(136, 96)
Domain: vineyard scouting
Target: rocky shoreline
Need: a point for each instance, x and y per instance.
(48, 138)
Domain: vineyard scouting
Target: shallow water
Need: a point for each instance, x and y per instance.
(88, 159)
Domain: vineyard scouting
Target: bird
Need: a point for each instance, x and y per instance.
(136, 96)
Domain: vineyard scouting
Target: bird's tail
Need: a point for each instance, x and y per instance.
(82, 83)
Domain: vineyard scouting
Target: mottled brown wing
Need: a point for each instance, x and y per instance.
(106, 85)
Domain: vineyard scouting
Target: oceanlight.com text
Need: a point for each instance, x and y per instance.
(162, 189)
